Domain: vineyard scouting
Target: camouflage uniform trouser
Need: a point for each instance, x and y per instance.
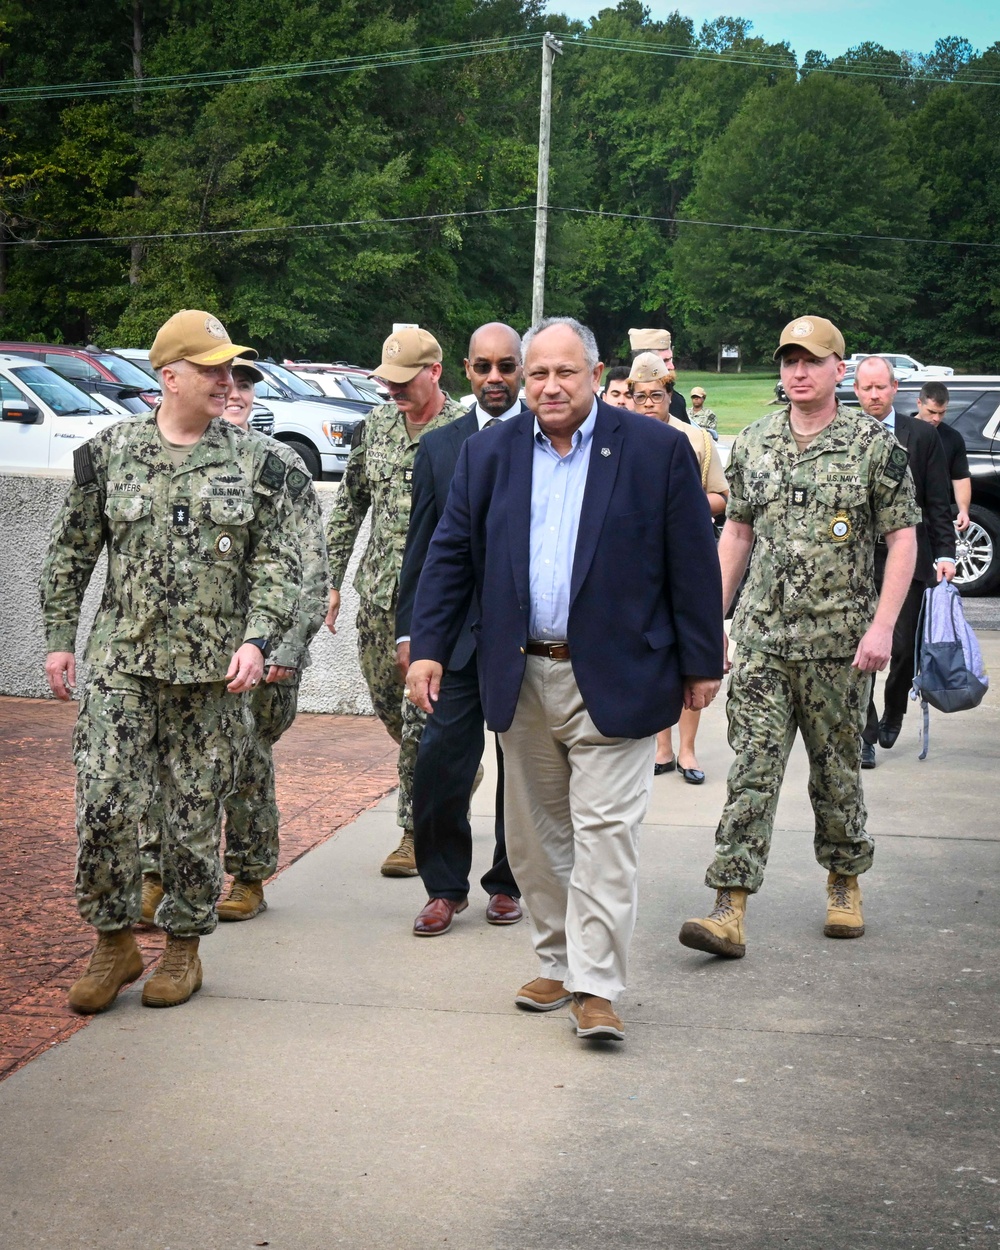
(377, 655)
(130, 732)
(769, 698)
(252, 818)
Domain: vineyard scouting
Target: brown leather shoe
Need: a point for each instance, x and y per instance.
(437, 916)
(503, 909)
(543, 994)
(595, 1017)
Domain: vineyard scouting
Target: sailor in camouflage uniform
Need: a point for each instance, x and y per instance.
(202, 572)
(252, 817)
(379, 477)
(813, 485)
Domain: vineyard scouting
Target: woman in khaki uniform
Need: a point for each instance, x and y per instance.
(648, 378)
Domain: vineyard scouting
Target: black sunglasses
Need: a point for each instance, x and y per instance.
(483, 367)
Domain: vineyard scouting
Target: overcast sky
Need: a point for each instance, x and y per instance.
(833, 26)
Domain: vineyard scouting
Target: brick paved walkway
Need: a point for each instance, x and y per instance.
(329, 769)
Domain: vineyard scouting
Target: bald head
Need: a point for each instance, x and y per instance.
(875, 386)
(493, 367)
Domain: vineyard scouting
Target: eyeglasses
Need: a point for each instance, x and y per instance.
(484, 367)
(649, 397)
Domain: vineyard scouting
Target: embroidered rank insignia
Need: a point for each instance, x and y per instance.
(840, 528)
(407, 475)
(296, 482)
(273, 473)
(896, 468)
(180, 514)
(799, 496)
(224, 544)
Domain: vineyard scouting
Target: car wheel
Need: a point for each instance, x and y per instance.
(310, 457)
(977, 553)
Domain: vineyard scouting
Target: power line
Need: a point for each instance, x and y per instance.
(464, 214)
(485, 47)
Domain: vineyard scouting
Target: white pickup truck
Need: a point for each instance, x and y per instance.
(44, 418)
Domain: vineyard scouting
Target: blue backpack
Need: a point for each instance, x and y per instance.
(948, 670)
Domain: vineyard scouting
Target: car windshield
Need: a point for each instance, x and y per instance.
(295, 384)
(128, 373)
(61, 396)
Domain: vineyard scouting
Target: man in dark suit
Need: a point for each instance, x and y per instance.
(451, 744)
(585, 533)
(875, 386)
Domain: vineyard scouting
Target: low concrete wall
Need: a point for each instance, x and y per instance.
(29, 502)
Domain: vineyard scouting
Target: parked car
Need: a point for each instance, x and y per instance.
(973, 410)
(96, 371)
(904, 366)
(44, 418)
(340, 383)
(139, 356)
(317, 427)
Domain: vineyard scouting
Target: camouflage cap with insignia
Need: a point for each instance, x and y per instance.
(815, 334)
(405, 352)
(648, 367)
(196, 336)
(649, 340)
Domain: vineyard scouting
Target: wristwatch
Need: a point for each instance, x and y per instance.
(262, 644)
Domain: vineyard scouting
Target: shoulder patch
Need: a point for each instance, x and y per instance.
(295, 482)
(273, 472)
(895, 470)
(83, 466)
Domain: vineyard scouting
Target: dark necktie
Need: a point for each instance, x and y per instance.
(492, 421)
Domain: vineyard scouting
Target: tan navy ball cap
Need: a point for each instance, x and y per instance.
(649, 368)
(696, 390)
(649, 340)
(249, 368)
(815, 334)
(195, 336)
(406, 352)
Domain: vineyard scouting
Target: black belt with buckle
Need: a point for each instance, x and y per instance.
(551, 650)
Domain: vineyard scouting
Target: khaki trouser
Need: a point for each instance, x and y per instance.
(573, 804)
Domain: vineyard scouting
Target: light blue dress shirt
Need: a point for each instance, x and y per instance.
(557, 486)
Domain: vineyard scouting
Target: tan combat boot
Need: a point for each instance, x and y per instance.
(402, 862)
(244, 901)
(843, 907)
(178, 976)
(116, 961)
(721, 932)
(152, 895)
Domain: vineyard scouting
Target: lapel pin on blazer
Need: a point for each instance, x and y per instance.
(605, 451)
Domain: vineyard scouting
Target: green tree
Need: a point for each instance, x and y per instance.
(783, 168)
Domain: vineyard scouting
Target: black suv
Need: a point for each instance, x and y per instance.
(973, 410)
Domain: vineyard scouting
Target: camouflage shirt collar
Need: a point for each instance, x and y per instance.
(837, 436)
(216, 445)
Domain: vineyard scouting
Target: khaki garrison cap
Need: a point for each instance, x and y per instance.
(649, 340)
(648, 368)
(406, 352)
(195, 336)
(815, 334)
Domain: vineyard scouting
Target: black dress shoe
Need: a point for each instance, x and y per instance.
(888, 732)
(867, 755)
(668, 767)
(693, 776)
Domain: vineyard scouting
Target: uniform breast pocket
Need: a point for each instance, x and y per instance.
(129, 521)
(224, 532)
(762, 492)
(841, 512)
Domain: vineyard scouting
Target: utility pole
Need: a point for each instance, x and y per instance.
(550, 48)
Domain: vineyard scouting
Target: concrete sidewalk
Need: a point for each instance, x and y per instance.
(338, 1082)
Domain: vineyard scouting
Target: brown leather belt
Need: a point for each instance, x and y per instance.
(551, 650)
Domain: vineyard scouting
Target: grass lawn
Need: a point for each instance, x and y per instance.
(736, 398)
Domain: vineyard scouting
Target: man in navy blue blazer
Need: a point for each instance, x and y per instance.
(586, 535)
(451, 744)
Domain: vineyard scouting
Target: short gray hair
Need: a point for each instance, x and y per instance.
(591, 354)
(881, 360)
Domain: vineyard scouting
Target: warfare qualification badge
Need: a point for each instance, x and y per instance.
(840, 528)
(224, 544)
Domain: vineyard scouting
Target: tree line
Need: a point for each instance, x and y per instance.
(700, 180)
